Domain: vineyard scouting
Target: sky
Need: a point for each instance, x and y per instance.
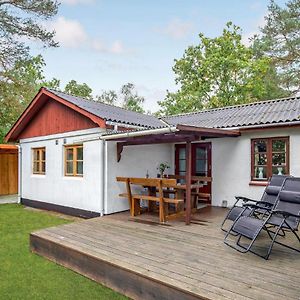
(109, 43)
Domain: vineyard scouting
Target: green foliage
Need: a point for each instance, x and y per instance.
(25, 275)
(78, 89)
(218, 72)
(280, 40)
(20, 20)
(18, 86)
(109, 97)
(162, 168)
(130, 99)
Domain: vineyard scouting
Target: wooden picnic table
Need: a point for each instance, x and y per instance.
(168, 186)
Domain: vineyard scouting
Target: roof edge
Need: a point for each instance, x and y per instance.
(231, 106)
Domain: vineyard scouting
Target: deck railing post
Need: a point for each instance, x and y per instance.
(188, 179)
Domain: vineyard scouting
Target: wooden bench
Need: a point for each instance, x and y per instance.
(153, 185)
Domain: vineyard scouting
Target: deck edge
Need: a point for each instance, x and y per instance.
(120, 279)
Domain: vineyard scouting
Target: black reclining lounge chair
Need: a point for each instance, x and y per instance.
(267, 200)
(284, 216)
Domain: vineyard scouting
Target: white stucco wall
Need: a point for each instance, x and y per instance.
(231, 164)
(135, 162)
(53, 187)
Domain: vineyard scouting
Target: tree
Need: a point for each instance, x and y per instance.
(217, 72)
(130, 99)
(18, 86)
(109, 97)
(80, 90)
(280, 40)
(19, 20)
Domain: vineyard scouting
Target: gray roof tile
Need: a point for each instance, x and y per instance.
(111, 112)
(258, 113)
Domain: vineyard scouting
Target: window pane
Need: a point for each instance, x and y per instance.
(43, 154)
(181, 153)
(201, 167)
(70, 154)
(260, 172)
(69, 167)
(260, 146)
(43, 167)
(181, 165)
(201, 153)
(36, 167)
(79, 153)
(35, 155)
(260, 159)
(278, 145)
(279, 170)
(79, 167)
(278, 159)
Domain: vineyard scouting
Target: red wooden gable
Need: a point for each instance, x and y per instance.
(55, 118)
(48, 114)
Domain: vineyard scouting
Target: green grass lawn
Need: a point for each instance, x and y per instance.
(24, 275)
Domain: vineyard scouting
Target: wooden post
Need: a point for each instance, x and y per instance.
(188, 177)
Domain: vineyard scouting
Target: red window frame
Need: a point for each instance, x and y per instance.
(269, 152)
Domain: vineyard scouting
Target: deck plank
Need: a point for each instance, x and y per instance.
(185, 266)
(189, 259)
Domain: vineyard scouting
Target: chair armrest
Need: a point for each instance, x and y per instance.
(256, 206)
(285, 214)
(245, 199)
(264, 203)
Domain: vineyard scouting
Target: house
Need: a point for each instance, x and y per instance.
(72, 150)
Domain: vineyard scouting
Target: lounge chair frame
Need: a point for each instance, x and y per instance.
(283, 227)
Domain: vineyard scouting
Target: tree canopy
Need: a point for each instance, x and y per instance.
(130, 98)
(280, 41)
(109, 97)
(18, 87)
(127, 98)
(218, 72)
(19, 20)
(79, 89)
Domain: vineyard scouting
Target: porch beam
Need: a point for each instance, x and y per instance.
(188, 179)
(211, 132)
(161, 140)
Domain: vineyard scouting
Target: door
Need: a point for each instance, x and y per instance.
(8, 173)
(201, 162)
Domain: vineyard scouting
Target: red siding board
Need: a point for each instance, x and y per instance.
(53, 118)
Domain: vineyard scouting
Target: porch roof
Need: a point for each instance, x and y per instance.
(171, 134)
(176, 134)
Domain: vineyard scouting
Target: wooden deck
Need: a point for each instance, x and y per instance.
(145, 260)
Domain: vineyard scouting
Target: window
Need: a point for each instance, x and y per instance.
(74, 160)
(39, 161)
(269, 156)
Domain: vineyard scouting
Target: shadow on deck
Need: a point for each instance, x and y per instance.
(144, 260)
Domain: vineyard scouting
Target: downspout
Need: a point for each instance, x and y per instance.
(104, 177)
(19, 173)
